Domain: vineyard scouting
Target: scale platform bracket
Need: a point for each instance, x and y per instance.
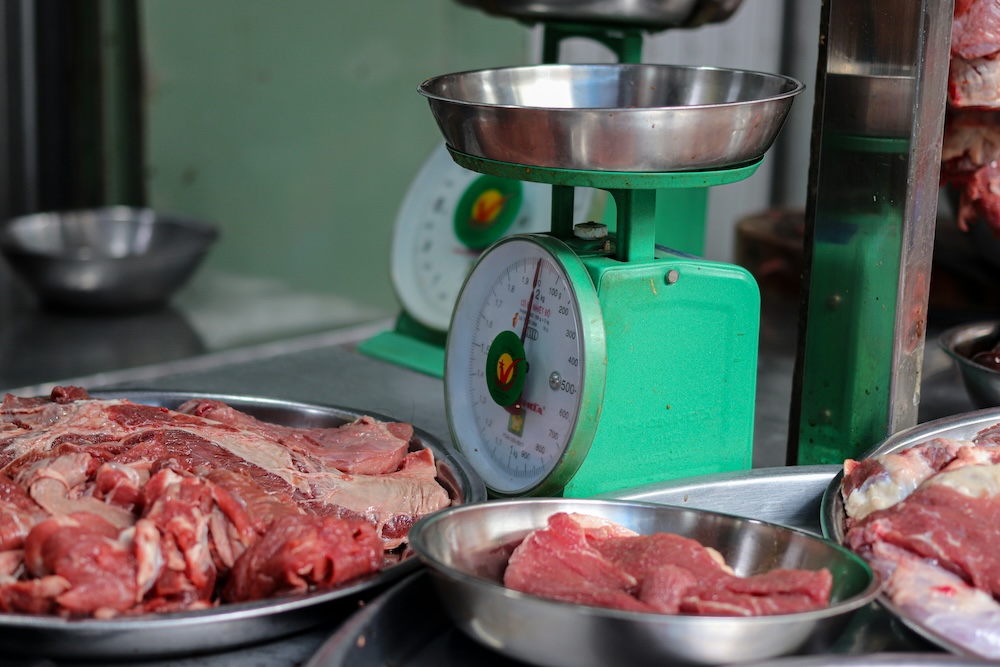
(682, 339)
(410, 345)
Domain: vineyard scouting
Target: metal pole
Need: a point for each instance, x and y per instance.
(870, 215)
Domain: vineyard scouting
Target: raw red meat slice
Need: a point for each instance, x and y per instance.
(84, 551)
(877, 483)
(180, 507)
(951, 520)
(32, 596)
(663, 572)
(18, 514)
(364, 447)
(301, 552)
(559, 563)
(391, 502)
(728, 603)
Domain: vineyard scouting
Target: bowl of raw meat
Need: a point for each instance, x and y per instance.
(921, 508)
(558, 582)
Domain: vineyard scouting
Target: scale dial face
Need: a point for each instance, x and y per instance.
(447, 218)
(525, 366)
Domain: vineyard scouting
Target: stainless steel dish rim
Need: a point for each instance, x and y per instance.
(185, 249)
(158, 217)
(870, 592)
(226, 613)
(798, 87)
(207, 234)
(229, 612)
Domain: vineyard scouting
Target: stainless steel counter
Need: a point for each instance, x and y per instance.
(216, 313)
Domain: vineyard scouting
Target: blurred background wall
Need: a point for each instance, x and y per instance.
(296, 126)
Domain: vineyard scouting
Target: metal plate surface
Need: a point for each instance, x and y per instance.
(407, 626)
(231, 625)
(958, 427)
(787, 496)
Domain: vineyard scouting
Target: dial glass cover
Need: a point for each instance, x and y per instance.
(448, 216)
(524, 366)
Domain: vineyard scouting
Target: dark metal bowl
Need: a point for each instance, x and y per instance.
(619, 118)
(961, 343)
(466, 549)
(116, 258)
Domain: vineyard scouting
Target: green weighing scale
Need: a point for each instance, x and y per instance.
(449, 215)
(582, 361)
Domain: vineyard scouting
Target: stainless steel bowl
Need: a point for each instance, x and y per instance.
(624, 118)
(116, 258)
(466, 550)
(961, 343)
(646, 14)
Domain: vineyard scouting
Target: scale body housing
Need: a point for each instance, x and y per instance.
(682, 369)
(681, 337)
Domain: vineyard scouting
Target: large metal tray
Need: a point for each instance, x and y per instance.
(958, 427)
(408, 627)
(233, 625)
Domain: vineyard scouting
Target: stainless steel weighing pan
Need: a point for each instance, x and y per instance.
(957, 427)
(618, 118)
(647, 14)
(466, 551)
(230, 625)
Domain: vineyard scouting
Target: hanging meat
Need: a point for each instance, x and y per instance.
(971, 148)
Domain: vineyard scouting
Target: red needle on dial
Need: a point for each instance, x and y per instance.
(531, 300)
(516, 407)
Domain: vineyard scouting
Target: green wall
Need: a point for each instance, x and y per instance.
(296, 125)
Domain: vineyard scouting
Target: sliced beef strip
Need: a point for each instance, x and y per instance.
(663, 572)
(365, 446)
(950, 520)
(303, 552)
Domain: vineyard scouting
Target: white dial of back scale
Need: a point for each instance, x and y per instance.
(447, 218)
(525, 366)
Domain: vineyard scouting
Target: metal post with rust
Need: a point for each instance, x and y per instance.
(870, 215)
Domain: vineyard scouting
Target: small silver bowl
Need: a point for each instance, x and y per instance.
(107, 259)
(466, 550)
(618, 118)
(961, 343)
